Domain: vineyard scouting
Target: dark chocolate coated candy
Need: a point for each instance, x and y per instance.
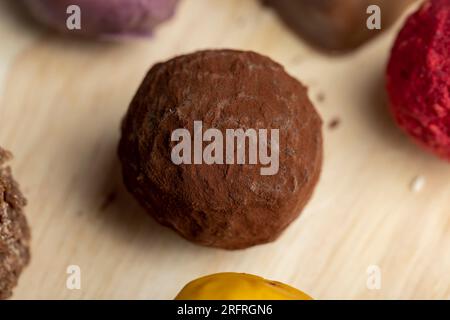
(336, 25)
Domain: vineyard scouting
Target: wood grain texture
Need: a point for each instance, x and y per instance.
(61, 103)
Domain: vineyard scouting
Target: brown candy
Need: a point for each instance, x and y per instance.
(229, 206)
(336, 25)
(14, 231)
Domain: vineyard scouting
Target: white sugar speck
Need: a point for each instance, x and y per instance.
(418, 184)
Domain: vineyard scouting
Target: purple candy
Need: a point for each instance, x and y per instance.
(108, 18)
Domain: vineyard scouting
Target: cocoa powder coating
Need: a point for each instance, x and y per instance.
(14, 231)
(221, 205)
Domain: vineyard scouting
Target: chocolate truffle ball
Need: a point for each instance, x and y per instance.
(418, 77)
(14, 232)
(223, 204)
(107, 18)
(336, 25)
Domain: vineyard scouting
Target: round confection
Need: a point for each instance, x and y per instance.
(337, 25)
(109, 18)
(14, 232)
(230, 206)
(418, 77)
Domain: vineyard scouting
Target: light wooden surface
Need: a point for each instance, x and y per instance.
(61, 103)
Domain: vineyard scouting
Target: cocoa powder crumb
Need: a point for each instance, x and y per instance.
(321, 97)
(334, 123)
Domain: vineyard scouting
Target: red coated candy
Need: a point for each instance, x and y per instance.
(418, 77)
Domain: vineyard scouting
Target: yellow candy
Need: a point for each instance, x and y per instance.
(238, 286)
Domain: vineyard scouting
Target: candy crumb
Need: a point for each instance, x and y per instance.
(417, 184)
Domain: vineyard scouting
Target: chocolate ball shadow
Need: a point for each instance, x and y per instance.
(379, 116)
(380, 120)
(126, 218)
